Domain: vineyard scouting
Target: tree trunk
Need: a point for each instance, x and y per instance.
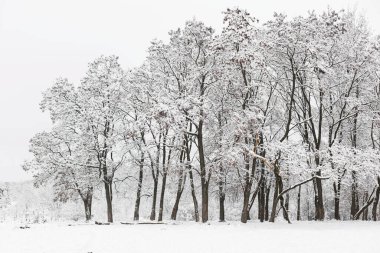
(286, 206)
(177, 199)
(354, 196)
(164, 175)
(248, 181)
(221, 207)
(274, 204)
(245, 211)
(87, 202)
(354, 186)
(261, 202)
(204, 176)
(180, 187)
(376, 201)
(253, 197)
(221, 196)
(136, 215)
(108, 189)
(309, 215)
(87, 209)
(204, 201)
(319, 207)
(267, 203)
(278, 196)
(299, 204)
(155, 169)
(221, 176)
(194, 196)
(247, 204)
(163, 187)
(190, 171)
(154, 199)
(336, 202)
(337, 191)
(365, 212)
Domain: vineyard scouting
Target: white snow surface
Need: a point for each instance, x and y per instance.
(191, 237)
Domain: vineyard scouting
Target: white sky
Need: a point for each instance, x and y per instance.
(42, 40)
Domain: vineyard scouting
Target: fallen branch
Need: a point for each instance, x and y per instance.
(102, 223)
(366, 205)
(143, 223)
(280, 197)
(301, 183)
(80, 224)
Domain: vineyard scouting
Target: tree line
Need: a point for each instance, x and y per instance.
(257, 113)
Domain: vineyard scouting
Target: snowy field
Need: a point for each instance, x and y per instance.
(190, 237)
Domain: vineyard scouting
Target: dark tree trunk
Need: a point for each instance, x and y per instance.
(337, 191)
(274, 204)
(194, 196)
(376, 201)
(201, 154)
(87, 202)
(204, 201)
(267, 203)
(191, 177)
(154, 199)
(173, 216)
(136, 215)
(261, 199)
(164, 175)
(221, 206)
(247, 189)
(221, 195)
(253, 197)
(155, 168)
(354, 186)
(204, 176)
(309, 214)
(245, 211)
(248, 178)
(87, 209)
(278, 197)
(319, 206)
(108, 190)
(365, 212)
(261, 202)
(299, 204)
(107, 174)
(163, 187)
(336, 202)
(259, 209)
(286, 206)
(180, 187)
(221, 176)
(354, 196)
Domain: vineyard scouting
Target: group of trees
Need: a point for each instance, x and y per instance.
(266, 113)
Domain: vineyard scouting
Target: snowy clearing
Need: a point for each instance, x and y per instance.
(190, 237)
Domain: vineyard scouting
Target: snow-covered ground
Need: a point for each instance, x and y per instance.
(321, 237)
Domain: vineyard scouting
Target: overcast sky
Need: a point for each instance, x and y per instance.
(42, 40)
